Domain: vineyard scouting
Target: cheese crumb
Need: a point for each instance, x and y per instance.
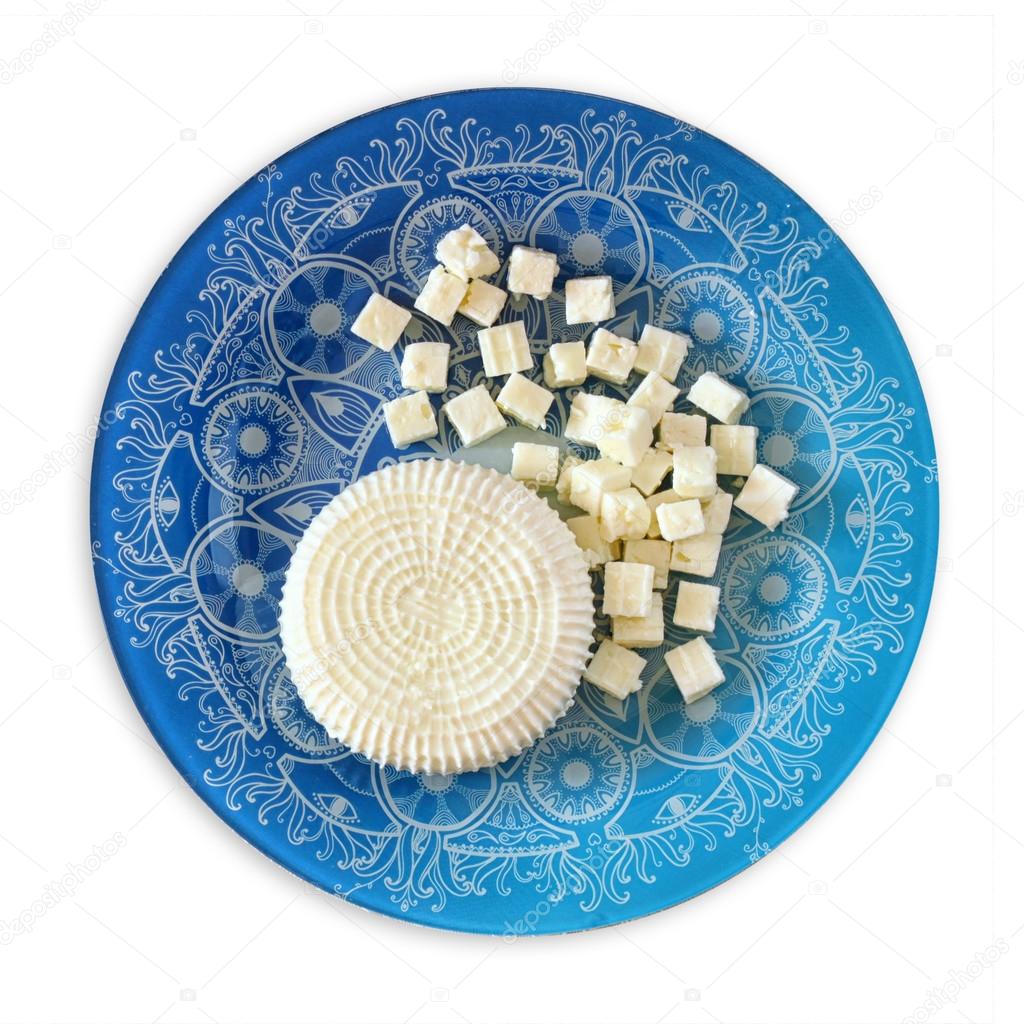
(465, 253)
(425, 366)
(656, 395)
(628, 588)
(615, 669)
(650, 552)
(592, 480)
(695, 669)
(717, 510)
(565, 364)
(736, 448)
(694, 472)
(381, 322)
(624, 515)
(596, 550)
(564, 486)
(678, 520)
(697, 555)
(474, 416)
(610, 357)
(589, 300)
(766, 496)
(683, 430)
(661, 351)
(641, 630)
(409, 419)
(535, 463)
(626, 435)
(525, 401)
(652, 469)
(696, 606)
(653, 502)
(482, 303)
(531, 271)
(441, 296)
(504, 349)
(588, 415)
(719, 398)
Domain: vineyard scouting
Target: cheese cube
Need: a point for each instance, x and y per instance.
(596, 550)
(650, 552)
(565, 364)
(482, 302)
(624, 514)
(504, 349)
(410, 418)
(696, 606)
(694, 472)
(531, 271)
(656, 395)
(615, 670)
(592, 480)
(680, 519)
(716, 396)
(589, 300)
(696, 555)
(736, 448)
(464, 252)
(474, 415)
(627, 434)
(628, 588)
(535, 463)
(425, 366)
(610, 357)
(441, 296)
(695, 669)
(661, 351)
(641, 630)
(564, 486)
(524, 401)
(588, 415)
(717, 510)
(766, 496)
(683, 430)
(381, 322)
(653, 502)
(652, 469)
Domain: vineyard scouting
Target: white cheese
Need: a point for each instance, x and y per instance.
(678, 520)
(694, 472)
(483, 302)
(628, 588)
(588, 416)
(531, 271)
(525, 401)
(653, 502)
(656, 395)
(766, 496)
(641, 630)
(535, 463)
(697, 555)
(719, 398)
(565, 364)
(624, 515)
(736, 447)
(661, 351)
(409, 419)
(652, 469)
(695, 669)
(381, 322)
(626, 435)
(717, 510)
(589, 300)
(441, 296)
(596, 550)
(615, 670)
(474, 416)
(610, 357)
(696, 606)
(650, 552)
(683, 430)
(465, 253)
(425, 366)
(564, 486)
(592, 480)
(504, 349)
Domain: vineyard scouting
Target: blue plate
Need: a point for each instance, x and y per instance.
(240, 404)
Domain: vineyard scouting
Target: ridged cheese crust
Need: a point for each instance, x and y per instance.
(437, 616)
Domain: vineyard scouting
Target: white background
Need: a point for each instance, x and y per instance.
(902, 125)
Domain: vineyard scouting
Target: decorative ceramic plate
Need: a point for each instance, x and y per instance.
(241, 404)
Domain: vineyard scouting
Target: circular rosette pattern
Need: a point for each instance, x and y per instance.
(592, 234)
(311, 313)
(442, 802)
(253, 441)
(577, 774)
(238, 573)
(773, 588)
(717, 315)
(708, 730)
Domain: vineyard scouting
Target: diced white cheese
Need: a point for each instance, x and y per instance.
(627, 434)
(678, 520)
(696, 606)
(535, 463)
(381, 322)
(563, 488)
(465, 253)
(683, 430)
(565, 364)
(474, 415)
(719, 398)
(697, 555)
(483, 302)
(589, 300)
(531, 271)
(592, 480)
(425, 366)
(628, 588)
(766, 496)
(653, 502)
(615, 669)
(695, 669)
(641, 630)
(610, 357)
(655, 394)
(624, 515)
(694, 472)
(441, 296)
(651, 552)
(717, 510)
(525, 401)
(596, 550)
(504, 349)
(410, 418)
(588, 415)
(652, 469)
(661, 351)
(736, 447)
